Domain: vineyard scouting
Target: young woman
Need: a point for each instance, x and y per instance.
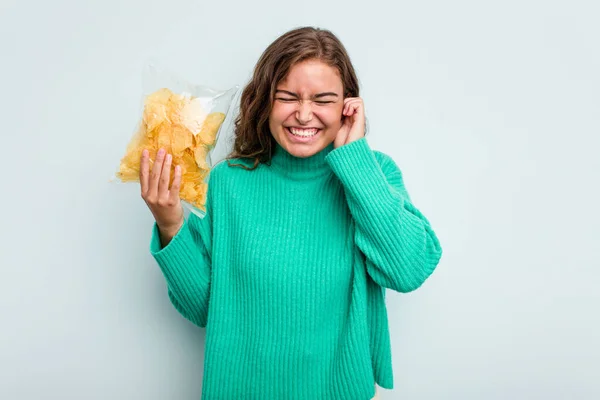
(305, 228)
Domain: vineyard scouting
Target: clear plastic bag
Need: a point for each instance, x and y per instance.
(185, 119)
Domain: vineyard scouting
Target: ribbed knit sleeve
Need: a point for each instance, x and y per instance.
(186, 265)
(400, 247)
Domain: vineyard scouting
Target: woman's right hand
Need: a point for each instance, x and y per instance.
(164, 202)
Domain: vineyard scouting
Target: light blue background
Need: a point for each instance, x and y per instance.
(491, 110)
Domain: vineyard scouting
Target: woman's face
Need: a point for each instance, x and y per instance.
(307, 109)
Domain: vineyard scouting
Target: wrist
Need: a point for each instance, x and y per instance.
(169, 231)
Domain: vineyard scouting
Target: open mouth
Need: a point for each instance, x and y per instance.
(303, 133)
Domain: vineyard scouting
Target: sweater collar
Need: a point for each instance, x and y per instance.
(298, 167)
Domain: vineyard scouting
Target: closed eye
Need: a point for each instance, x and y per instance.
(319, 102)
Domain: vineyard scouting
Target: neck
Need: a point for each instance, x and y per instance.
(301, 167)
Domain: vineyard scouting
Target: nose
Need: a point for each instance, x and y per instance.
(304, 112)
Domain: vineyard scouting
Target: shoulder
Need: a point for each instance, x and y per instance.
(386, 162)
(382, 158)
(228, 170)
(231, 165)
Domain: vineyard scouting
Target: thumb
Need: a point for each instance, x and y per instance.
(342, 134)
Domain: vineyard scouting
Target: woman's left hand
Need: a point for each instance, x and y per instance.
(353, 127)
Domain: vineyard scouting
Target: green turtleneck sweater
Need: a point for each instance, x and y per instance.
(288, 268)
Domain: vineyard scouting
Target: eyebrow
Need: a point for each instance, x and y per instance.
(316, 96)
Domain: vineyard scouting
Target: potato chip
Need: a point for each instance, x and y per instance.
(209, 130)
(179, 124)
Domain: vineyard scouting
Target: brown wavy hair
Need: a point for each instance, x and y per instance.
(253, 139)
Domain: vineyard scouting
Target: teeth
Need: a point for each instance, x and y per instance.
(304, 132)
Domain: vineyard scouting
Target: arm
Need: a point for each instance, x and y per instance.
(186, 265)
(400, 247)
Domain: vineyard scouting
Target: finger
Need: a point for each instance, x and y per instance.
(342, 135)
(348, 107)
(359, 112)
(355, 107)
(155, 175)
(144, 171)
(165, 177)
(174, 191)
(345, 111)
(346, 101)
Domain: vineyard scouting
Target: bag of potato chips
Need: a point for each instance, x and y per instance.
(186, 120)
